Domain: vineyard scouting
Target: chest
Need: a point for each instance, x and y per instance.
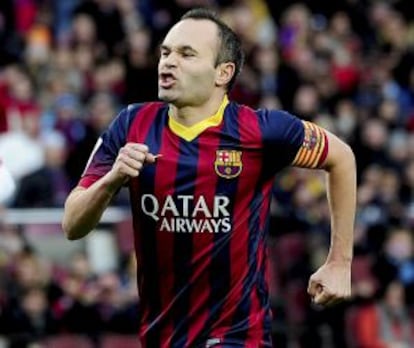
(209, 161)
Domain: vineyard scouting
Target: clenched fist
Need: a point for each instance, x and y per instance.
(330, 284)
(129, 162)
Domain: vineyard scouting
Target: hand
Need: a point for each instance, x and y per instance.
(129, 162)
(331, 283)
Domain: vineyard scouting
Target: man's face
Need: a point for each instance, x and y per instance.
(186, 67)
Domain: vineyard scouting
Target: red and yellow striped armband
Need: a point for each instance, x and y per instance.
(314, 149)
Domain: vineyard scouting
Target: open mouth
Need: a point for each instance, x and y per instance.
(166, 80)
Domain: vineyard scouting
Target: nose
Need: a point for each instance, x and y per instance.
(169, 61)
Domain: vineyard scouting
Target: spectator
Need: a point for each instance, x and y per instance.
(49, 185)
(7, 184)
(385, 323)
(31, 321)
(397, 261)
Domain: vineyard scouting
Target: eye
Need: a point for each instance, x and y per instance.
(164, 52)
(188, 54)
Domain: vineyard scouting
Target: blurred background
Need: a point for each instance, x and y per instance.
(66, 69)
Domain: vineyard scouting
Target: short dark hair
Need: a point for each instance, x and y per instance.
(230, 48)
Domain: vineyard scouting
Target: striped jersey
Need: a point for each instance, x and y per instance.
(200, 215)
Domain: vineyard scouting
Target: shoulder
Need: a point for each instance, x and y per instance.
(261, 115)
(280, 116)
(132, 113)
(271, 121)
(134, 110)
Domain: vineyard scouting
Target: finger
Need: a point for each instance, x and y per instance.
(129, 172)
(130, 157)
(129, 162)
(132, 153)
(322, 298)
(138, 147)
(150, 158)
(314, 287)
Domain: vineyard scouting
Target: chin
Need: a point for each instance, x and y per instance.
(165, 96)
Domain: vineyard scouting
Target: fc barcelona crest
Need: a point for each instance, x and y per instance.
(228, 163)
(311, 138)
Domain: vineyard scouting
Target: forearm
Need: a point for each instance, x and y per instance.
(84, 208)
(342, 203)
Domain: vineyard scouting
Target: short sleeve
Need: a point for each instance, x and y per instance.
(288, 140)
(107, 147)
(282, 136)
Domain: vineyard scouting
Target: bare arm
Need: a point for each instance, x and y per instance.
(85, 206)
(341, 186)
(332, 282)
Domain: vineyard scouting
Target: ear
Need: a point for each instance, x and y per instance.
(224, 73)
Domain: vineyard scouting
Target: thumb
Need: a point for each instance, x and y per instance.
(150, 158)
(321, 297)
(314, 287)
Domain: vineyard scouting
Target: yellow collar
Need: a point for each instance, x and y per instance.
(190, 133)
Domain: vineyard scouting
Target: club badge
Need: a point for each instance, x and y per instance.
(228, 163)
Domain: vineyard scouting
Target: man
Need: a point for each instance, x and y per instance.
(200, 170)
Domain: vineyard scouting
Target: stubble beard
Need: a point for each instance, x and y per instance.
(164, 96)
(171, 98)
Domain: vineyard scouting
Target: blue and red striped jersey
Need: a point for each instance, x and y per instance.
(200, 216)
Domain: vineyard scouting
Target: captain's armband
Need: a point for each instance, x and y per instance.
(314, 149)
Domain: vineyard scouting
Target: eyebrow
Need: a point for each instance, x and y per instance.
(180, 48)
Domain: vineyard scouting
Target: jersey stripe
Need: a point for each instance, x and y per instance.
(249, 134)
(238, 256)
(260, 294)
(234, 321)
(256, 246)
(145, 243)
(183, 247)
(267, 326)
(169, 149)
(198, 310)
(220, 276)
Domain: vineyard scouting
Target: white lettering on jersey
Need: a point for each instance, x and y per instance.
(169, 205)
(150, 206)
(187, 214)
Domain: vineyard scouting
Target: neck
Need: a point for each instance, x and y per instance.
(192, 114)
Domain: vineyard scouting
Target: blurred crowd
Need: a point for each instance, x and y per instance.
(66, 69)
